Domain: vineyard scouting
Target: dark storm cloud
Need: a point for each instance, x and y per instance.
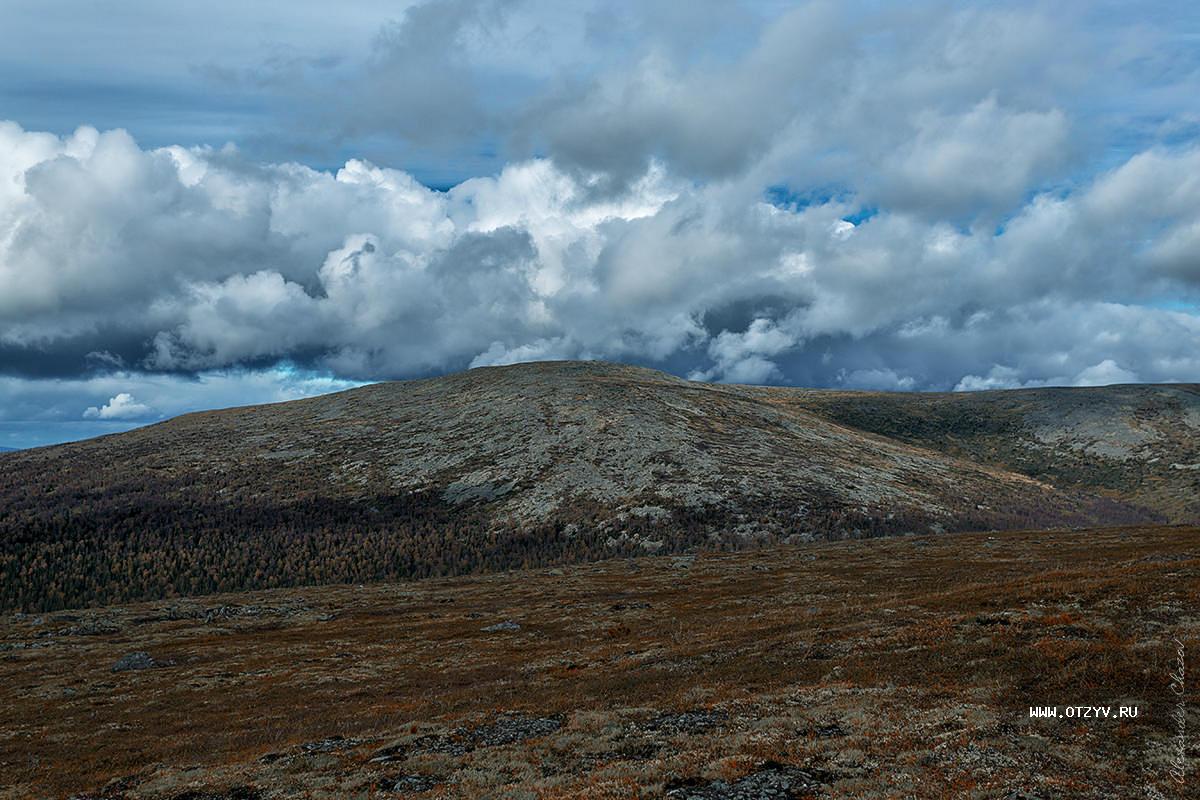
(109, 347)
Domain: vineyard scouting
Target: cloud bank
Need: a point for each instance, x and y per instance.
(182, 260)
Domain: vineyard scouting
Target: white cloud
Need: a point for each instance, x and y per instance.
(121, 406)
(1106, 373)
(498, 355)
(367, 274)
(998, 377)
(883, 379)
(743, 357)
(986, 157)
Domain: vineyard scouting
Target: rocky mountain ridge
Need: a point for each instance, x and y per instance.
(565, 461)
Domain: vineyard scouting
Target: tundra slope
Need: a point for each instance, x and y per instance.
(517, 466)
(1137, 442)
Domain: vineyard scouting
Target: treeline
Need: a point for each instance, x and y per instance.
(147, 542)
(141, 545)
(65, 545)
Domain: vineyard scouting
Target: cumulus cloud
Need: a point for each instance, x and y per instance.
(925, 110)
(121, 406)
(745, 357)
(998, 377)
(1105, 373)
(178, 260)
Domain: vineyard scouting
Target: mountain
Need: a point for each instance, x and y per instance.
(1140, 443)
(552, 462)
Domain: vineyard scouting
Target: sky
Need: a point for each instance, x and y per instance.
(205, 205)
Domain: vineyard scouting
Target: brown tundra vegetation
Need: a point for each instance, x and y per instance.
(893, 667)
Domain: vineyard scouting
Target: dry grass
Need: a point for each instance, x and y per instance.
(895, 667)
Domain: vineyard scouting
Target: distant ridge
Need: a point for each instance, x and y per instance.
(549, 462)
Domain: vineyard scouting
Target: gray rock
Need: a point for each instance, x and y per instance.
(827, 731)
(512, 729)
(132, 661)
(455, 743)
(407, 784)
(331, 744)
(507, 625)
(235, 793)
(773, 782)
(686, 722)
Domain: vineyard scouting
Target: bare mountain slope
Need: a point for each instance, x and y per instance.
(489, 469)
(1140, 443)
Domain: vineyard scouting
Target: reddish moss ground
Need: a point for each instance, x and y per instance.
(884, 668)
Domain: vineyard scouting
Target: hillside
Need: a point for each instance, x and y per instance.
(1140, 443)
(565, 461)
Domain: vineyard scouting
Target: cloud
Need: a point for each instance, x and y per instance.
(987, 157)
(120, 406)
(366, 274)
(429, 40)
(744, 357)
(992, 196)
(998, 377)
(455, 88)
(922, 110)
(1106, 373)
(885, 380)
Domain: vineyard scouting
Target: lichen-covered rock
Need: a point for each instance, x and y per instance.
(772, 782)
(134, 661)
(501, 627)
